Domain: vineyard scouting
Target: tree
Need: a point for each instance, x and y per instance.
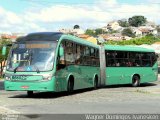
(128, 32)
(99, 31)
(4, 42)
(137, 21)
(90, 32)
(94, 32)
(3, 58)
(123, 23)
(76, 27)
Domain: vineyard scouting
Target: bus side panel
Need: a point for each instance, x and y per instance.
(83, 77)
(118, 75)
(123, 75)
(62, 77)
(146, 75)
(112, 76)
(150, 74)
(155, 72)
(61, 80)
(88, 72)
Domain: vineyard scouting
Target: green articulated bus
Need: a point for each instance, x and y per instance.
(130, 65)
(52, 61)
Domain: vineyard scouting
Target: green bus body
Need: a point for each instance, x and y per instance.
(123, 74)
(83, 65)
(82, 75)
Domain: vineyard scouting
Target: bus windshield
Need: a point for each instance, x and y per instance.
(35, 56)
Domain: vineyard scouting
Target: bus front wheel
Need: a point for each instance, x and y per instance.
(135, 81)
(70, 86)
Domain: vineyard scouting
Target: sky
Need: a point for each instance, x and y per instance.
(26, 16)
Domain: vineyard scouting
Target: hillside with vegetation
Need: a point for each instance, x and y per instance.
(149, 39)
(136, 30)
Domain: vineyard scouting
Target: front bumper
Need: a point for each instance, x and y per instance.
(30, 86)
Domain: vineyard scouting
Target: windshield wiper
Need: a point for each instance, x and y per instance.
(15, 69)
(37, 69)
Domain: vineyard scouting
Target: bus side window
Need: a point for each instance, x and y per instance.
(93, 58)
(110, 59)
(61, 59)
(69, 53)
(146, 59)
(135, 57)
(82, 48)
(154, 58)
(78, 54)
(87, 56)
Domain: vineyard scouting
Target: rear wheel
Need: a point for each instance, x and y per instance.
(30, 93)
(135, 81)
(96, 82)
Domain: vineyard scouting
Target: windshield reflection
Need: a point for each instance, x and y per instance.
(31, 57)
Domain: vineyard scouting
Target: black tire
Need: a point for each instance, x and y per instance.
(95, 83)
(135, 81)
(30, 93)
(70, 87)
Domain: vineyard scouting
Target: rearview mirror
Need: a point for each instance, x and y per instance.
(61, 51)
(4, 49)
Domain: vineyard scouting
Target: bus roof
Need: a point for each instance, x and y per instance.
(54, 36)
(79, 40)
(41, 36)
(127, 48)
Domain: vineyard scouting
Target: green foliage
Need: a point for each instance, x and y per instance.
(128, 32)
(95, 32)
(123, 23)
(90, 32)
(4, 42)
(99, 31)
(137, 21)
(112, 31)
(149, 39)
(2, 57)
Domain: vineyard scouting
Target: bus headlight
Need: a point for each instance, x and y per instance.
(8, 78)
(47, 77)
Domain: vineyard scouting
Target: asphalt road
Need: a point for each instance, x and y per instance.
(122, 99)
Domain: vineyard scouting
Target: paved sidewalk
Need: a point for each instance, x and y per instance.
(4, 110)
(155, 89)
